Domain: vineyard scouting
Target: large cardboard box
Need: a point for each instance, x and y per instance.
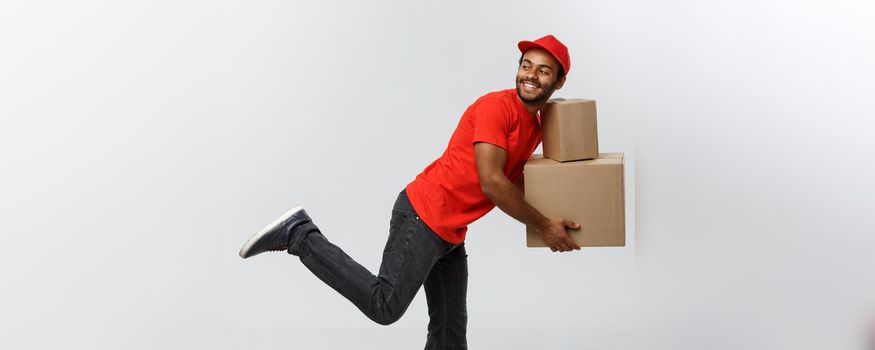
(589, 192)
(569, 130)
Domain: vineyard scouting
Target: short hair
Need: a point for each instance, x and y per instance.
(561, 69)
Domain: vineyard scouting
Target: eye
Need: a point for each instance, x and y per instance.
(544, 72)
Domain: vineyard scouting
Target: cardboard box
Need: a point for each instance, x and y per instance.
(589, 192)
(569, 130)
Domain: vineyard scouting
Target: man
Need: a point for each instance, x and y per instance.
(478, 171)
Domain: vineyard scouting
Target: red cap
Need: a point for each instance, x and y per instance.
(553, 46)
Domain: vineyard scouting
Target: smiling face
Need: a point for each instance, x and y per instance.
(538, 76)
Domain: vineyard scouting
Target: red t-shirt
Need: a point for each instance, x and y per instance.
(447, 194)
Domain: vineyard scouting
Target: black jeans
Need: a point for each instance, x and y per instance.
(414, 256)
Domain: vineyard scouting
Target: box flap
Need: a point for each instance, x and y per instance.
(561, 101)
(603, 159)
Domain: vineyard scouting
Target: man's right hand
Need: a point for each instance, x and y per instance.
(554, 234)
(491, 161)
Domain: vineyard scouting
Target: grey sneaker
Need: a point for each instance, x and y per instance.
(277, 235)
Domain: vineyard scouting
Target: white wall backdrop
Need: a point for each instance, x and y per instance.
(142, 142)
(754, 193)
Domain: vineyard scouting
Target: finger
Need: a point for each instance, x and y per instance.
(571, 224)
(553, 248)
(563, 247)
(571, 243)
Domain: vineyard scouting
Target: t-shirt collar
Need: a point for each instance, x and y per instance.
(519, 104)
(522, 108)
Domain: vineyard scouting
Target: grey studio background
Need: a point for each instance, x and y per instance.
(141, 143)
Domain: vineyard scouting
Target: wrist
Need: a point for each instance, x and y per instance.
(542, 223)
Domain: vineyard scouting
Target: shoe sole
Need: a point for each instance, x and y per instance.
(257, 236)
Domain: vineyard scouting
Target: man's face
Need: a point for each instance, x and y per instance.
(536, 78)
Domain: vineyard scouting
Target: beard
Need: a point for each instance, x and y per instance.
(544, 92)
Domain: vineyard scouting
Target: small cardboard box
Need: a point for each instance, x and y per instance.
(569, 130)
(588, 192)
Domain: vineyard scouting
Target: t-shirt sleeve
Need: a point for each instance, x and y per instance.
(491, 123)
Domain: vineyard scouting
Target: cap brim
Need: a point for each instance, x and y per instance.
(526, 45)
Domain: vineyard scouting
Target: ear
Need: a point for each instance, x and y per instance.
(560, 83)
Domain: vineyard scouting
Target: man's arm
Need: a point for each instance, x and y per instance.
(520, 185)
(497, 187)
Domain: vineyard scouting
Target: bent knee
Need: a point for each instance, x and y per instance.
(386, 319)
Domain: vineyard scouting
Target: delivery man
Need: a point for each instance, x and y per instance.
(480, 169)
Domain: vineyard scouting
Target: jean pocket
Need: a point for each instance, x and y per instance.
(397, 227)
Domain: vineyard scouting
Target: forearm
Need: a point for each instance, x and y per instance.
(520, 185)
(508, 197)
